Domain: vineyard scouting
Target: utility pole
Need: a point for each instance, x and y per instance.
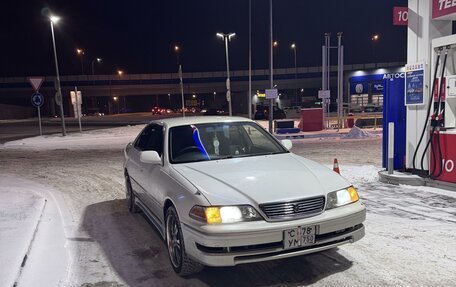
(271, 68)
(340, 80)
(58, 96)
(181, 82)
(227, 38)
(250, 60)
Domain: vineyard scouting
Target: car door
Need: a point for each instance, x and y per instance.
(134, 164)
(150, 175)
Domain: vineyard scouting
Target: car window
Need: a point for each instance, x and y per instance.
(151, 138)
(258, 140)
(217, 141)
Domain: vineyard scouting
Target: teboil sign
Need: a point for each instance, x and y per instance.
(444, 9)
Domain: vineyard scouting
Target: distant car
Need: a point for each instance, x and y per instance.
(156, 111)
(93, 114)
(371, 108)
(292, 111)
(263, 113)
(222, 191)
(356, 108)
(212, 112)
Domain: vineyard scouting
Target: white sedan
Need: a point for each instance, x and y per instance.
(222, 191)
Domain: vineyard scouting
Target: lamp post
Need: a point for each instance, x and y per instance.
(271, 66)
(59, 100)
(98, 60)
(181, 82)
(227, 38)
(81, 53)
(293, 47)
(375, 38)
(250, 60)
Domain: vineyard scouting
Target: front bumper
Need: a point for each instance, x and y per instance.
(246, 242)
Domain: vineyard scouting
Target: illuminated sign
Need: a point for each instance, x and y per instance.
(444, 9)
(414, 84)
(400, 16)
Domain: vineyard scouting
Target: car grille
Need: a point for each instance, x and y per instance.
(294, 209)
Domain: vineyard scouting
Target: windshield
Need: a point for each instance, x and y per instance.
(214, 141)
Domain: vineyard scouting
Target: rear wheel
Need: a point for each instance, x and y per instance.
(132, 207)
(182, 265)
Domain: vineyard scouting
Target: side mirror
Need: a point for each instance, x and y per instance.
(150, 156)
(287, 144)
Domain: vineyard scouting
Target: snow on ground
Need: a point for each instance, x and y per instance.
(410, 232)
(97, 139)
(20, 213)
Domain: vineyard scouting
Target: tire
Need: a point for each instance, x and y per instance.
(130, 195)
(180, 262)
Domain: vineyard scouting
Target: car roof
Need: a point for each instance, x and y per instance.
(193, 120)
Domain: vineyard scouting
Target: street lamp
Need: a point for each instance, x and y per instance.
(375, 38)
(120, 72)
(293, 47)
(81, 53)
(116, 101)
(227, 38)
(177, 50)
(54, 19)
(275, 44)
(181, 82)
(98, 60)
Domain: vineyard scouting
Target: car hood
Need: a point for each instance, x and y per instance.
(261, 179)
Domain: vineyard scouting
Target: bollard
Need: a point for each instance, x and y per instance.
(390, 148)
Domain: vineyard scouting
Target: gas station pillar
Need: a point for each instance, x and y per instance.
(422, 29)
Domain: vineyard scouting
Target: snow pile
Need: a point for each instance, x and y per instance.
(102, 139)
(360, 174)
(357, 133)
(20, 212)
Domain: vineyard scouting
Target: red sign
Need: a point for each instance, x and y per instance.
(437, 88)
(444, 9)
(36, 82)
(448, 164)
(400, 16)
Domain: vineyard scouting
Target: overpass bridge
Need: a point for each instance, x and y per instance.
(111, 93)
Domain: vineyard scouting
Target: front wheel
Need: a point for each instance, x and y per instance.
(130, 195)
(182, 265)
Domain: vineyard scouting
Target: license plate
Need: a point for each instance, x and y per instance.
(299, 237)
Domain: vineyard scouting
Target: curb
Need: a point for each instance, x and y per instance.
(29, 248)
(399, 178)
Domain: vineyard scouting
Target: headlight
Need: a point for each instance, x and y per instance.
(342, 197)
(224, 214)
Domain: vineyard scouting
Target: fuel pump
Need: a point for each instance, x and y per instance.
(440, 149)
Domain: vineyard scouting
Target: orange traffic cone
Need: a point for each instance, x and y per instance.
(336, 166)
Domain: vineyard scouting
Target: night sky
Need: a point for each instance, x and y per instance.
(138, 36)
